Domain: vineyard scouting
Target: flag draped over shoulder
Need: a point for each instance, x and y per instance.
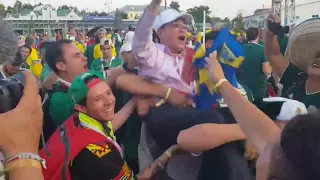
(231, 57)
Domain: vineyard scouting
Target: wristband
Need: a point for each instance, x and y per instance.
(219, 84)
(22, 163)
(162, 101)
(26, 156)
(168, 153)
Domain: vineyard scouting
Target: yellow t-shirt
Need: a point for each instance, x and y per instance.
(34, 63)
(114, 53)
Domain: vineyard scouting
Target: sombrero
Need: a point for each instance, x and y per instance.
(304, 43)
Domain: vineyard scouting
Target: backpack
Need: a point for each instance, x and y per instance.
(49, 126)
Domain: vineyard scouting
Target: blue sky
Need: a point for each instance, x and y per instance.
(221, 8)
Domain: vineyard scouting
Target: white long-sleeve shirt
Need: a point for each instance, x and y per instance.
(129, 37)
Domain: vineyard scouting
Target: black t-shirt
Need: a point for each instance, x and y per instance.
(100, 162)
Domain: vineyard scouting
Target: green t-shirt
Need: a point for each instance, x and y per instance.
(294, 87)
(89, 53)
(61, 105)
(46, 72)
(250, 74)
(261, 42)
(101, 65)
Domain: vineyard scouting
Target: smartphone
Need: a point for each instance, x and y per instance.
(276, 28)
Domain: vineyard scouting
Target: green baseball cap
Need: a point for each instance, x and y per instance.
(83, 83)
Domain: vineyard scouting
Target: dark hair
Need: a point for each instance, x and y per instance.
(300, 145)
(28, 47)
(130, 28)
(116, 31)
(29, 41)
(252, 34)
(18, 60)
(44, 45)
(155, 36)
(97, 39)
(54, 53)
(286, 29)
(212, 35)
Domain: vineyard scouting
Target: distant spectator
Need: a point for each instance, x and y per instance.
(130, 35)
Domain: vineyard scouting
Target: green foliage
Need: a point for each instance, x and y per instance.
(2, 11)
(197, 13)
(175, 5)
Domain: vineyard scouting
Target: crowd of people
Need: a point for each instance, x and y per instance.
(158, 103)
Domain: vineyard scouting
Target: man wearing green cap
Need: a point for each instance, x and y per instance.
(67, 61)
(97, 155)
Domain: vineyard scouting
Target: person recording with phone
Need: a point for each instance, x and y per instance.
(20, 123)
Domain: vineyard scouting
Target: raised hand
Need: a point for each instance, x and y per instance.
(20, 128)
(215, 70)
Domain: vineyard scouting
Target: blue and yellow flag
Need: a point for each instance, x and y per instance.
(231, 57)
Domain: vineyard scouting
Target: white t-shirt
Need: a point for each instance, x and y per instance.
(129, 37)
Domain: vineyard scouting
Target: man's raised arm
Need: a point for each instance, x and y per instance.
(143, 47)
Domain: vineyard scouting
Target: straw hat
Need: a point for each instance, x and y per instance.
(304, 43)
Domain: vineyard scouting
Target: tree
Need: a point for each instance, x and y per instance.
(197, 13)
(83, 12)
(175, 5)
(216, 19)
(17, 7)
(238, 22)
(75, 9)
(9, 10)
(226, 19)
(103, 14)
(27, 6)
(2, 11)
(64, 7)
(123, 15)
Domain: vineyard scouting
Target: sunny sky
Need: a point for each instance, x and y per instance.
(220, 8)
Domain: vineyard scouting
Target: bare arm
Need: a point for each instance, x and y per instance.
(122, 116)
(113, 74)
(266, 68)
(137, 85)
(26, 174)
(255, 124)
(208, 136)
(272, 50)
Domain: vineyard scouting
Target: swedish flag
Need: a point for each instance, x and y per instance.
(231, 57)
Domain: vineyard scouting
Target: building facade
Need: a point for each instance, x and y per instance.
(45, 18)
(303, 12)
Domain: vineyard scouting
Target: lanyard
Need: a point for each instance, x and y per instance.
(65, 83)
(96, 126)
(103, 61)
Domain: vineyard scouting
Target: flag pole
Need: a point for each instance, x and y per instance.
(204, 27)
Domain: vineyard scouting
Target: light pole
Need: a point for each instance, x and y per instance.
(31, 21)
